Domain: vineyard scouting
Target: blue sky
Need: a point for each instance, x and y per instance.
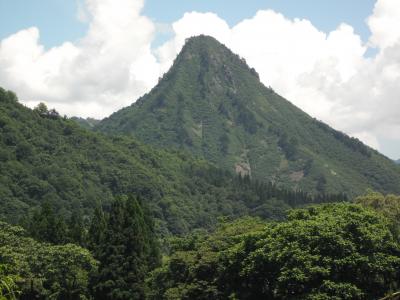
(323, 68)
(57, 19)
(325, 14)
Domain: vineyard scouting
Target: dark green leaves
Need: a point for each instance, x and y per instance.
(340, 251)
(127, 251)
(40, 270)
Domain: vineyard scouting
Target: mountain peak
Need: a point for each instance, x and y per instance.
(203, 43)
(203, 39)
(208, 52)
(211, 103)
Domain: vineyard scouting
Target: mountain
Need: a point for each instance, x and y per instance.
(45, 158)
(87, 123)
(210, 103)
(397, 161)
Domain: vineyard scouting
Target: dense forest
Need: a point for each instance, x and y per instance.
(47, 158)
(250, 199)
(336, 251)
(326, 251)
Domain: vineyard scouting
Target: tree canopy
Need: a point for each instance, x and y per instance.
(337, 251)
(31, 269)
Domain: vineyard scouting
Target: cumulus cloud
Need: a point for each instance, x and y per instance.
(289, 54)
(107, 69)
(384, 23)
(327, 74)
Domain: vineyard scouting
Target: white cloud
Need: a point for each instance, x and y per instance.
(107, 69)
(325, 74)
(385, 23)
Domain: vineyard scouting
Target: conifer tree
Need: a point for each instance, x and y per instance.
(96, 230)
(76, 228)
(45, 225)
(126, 253)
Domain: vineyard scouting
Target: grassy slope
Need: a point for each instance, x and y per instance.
(213, 105)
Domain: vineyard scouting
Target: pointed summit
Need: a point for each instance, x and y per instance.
(212, 104)
(209, 56)
(212, 53)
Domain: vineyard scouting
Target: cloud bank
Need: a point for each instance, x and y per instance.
(326, 74)
(107, 69)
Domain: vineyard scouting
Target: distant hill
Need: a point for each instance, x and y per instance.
(47, 158)
(213, 105)
(87, 123)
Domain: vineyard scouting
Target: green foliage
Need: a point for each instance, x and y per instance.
(53, 172)
(87, 123)
(8, 285)
(97, 230)
(289, 147)
(127, 252)
(47, 226)
(76, 228)
(62, 172)
(388, 205)
(213, 105)
(39, 270)
(41, 109)
(353, 143)
(341, 251)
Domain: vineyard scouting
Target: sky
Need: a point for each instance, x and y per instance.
(337, 60)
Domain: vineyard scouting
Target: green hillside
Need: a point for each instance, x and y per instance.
(212, 104)
(87, 123)
(45, 158)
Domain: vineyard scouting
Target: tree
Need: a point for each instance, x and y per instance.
(8, 286)
(321, 183)
(97, 230)
(35, 270)
(388, 205)
(53, 114)
(335, 251)
(76, 228)
(67, 269)
(288, 146)
(126, 253)
(47, 226)
(41, 109)
(339, 251)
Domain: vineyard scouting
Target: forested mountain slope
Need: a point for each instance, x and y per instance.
(213, 105)
(47, 158)
(87, 123)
